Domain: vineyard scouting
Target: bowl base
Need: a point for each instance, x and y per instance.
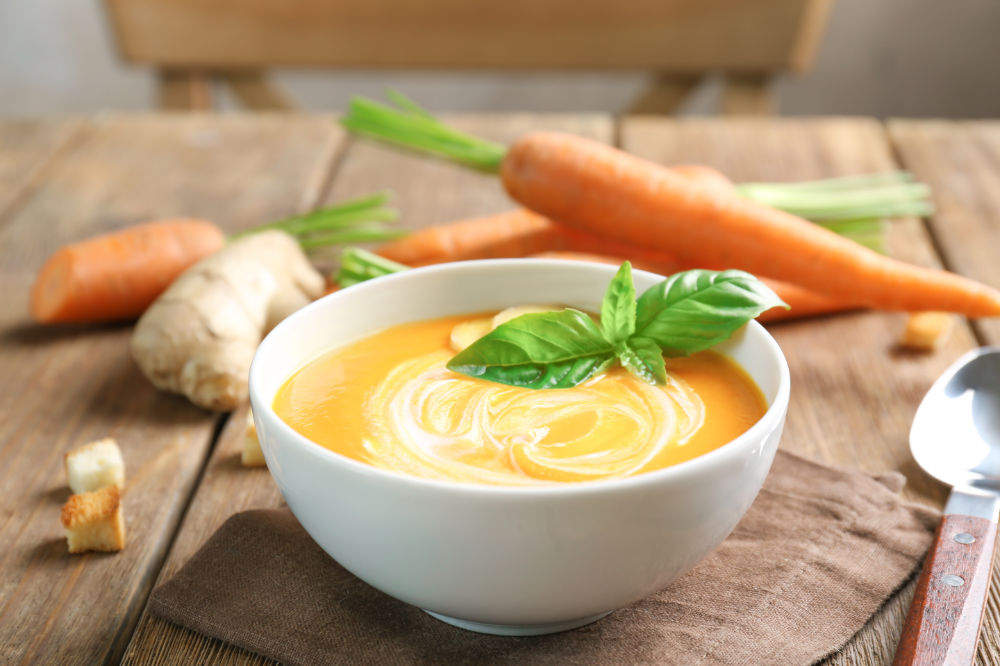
(516, 629)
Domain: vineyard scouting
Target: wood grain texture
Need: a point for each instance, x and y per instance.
(961, 163)
(78, 384)
(27, 146)
(226, 488)
(666, 35)
(426, 192)
(874, 387)
(947, 609)
(847, 375)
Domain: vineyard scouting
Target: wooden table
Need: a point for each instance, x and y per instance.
(62, 180)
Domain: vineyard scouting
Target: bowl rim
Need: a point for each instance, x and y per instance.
(288, 436)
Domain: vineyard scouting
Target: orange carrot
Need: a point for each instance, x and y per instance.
(607, 192)
(116, 276)
(802, 302)
(519, 233)
(705, 175)
(513, 233)
(516, 233)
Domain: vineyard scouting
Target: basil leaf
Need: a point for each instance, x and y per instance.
(694, 310)
(538, 350)
(618, 307)
(644, 359)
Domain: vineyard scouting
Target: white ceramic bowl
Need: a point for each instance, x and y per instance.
(505, 560)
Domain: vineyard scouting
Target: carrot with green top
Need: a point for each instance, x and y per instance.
(359, 265)
(605, 191)
(519, 233)
(116, 276)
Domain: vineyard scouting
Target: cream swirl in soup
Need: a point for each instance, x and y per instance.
(433, 422)
(388, 400)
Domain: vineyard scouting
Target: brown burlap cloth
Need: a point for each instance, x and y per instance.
(817, 554)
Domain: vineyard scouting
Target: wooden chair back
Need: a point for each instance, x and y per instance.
(193, 41)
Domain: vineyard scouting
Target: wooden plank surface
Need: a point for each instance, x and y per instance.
(80, 383)
(961, 163)
(854, 395)
(847, 362)
(68, 385)
(426, 192)
(26, 147)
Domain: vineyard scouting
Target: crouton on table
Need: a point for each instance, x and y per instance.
(93, 521)
(95, 465)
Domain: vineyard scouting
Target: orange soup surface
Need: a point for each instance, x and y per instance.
(388, 400)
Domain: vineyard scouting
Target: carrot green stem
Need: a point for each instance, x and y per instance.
(863, 181)
(366, 234)
(357, 265)
(341, 220)
(837, 203)
(412, 127)
(347, 222)
(861, 200)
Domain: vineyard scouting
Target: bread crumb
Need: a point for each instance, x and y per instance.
(926, 331)
(95, 465)
(93, 521)
(252, 455)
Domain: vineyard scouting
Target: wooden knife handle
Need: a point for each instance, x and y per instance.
(943, 624)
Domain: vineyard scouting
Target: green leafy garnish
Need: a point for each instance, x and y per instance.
(539, 350)
(686, 313)
(618, 308)
(644, 359)
(695, 310)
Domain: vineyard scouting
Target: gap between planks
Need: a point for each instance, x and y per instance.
(931, 229)
(315, 194)
(76, 132)
(863, 651)
(67, 201)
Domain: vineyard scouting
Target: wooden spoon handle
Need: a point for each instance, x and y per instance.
(943, 624)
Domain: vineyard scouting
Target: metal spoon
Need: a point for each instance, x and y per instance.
(956, 439)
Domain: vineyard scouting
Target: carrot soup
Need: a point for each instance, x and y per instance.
(388, 400)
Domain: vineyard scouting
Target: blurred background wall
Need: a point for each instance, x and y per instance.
(918, 58)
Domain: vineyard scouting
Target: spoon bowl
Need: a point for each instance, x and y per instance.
(956, 432)
(956, 439)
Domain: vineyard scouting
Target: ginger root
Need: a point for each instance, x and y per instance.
(199, 337)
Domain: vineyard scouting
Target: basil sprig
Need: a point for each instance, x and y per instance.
(684, 314)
